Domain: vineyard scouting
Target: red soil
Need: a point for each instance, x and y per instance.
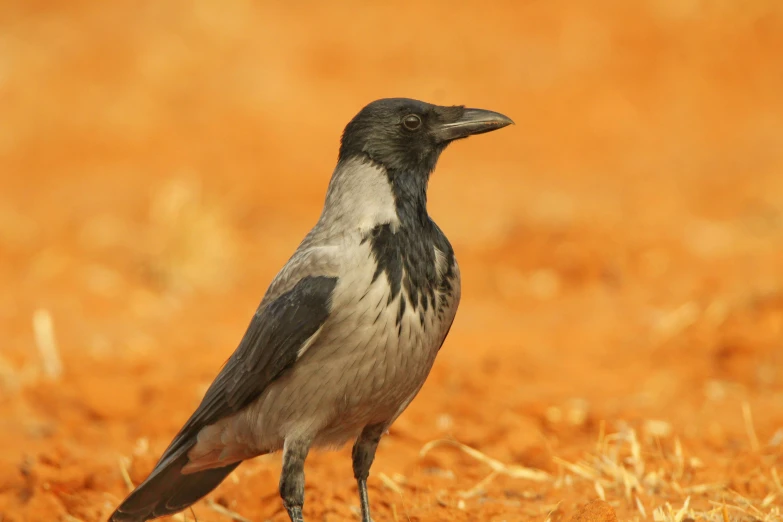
(621, 246)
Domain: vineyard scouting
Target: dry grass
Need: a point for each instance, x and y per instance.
(497, 467)
(49, 365)
(43, 328)
(747, 416)
(646, 478)
(217, 508)
(621, 469)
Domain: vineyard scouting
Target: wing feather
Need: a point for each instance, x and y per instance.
(270, 346)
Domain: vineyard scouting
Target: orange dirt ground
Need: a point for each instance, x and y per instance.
(621, 326)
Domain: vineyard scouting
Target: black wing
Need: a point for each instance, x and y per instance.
(282, 324)
(269, 347)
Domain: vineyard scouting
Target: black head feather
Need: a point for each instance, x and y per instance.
(385, 131)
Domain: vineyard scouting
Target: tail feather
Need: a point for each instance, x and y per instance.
(167, 490)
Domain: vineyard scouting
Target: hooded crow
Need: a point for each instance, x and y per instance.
(348, 330)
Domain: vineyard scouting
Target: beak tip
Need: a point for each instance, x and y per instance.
(474, 121)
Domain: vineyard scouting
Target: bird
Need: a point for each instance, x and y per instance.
(348, 330)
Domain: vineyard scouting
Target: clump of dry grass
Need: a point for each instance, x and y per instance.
(620, 467)
(623, 470)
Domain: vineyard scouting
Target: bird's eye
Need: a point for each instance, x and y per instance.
(411, 122)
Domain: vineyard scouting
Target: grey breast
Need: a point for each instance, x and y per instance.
(363, 366)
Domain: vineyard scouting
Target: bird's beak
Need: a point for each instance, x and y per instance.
(472, 121)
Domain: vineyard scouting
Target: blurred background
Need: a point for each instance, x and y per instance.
(621, 246)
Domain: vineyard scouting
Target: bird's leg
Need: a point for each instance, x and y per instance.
(292, 482)
(363, 455)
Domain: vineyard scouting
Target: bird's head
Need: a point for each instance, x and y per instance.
(406, 135)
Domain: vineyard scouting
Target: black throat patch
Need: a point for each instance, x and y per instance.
(406, 254)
